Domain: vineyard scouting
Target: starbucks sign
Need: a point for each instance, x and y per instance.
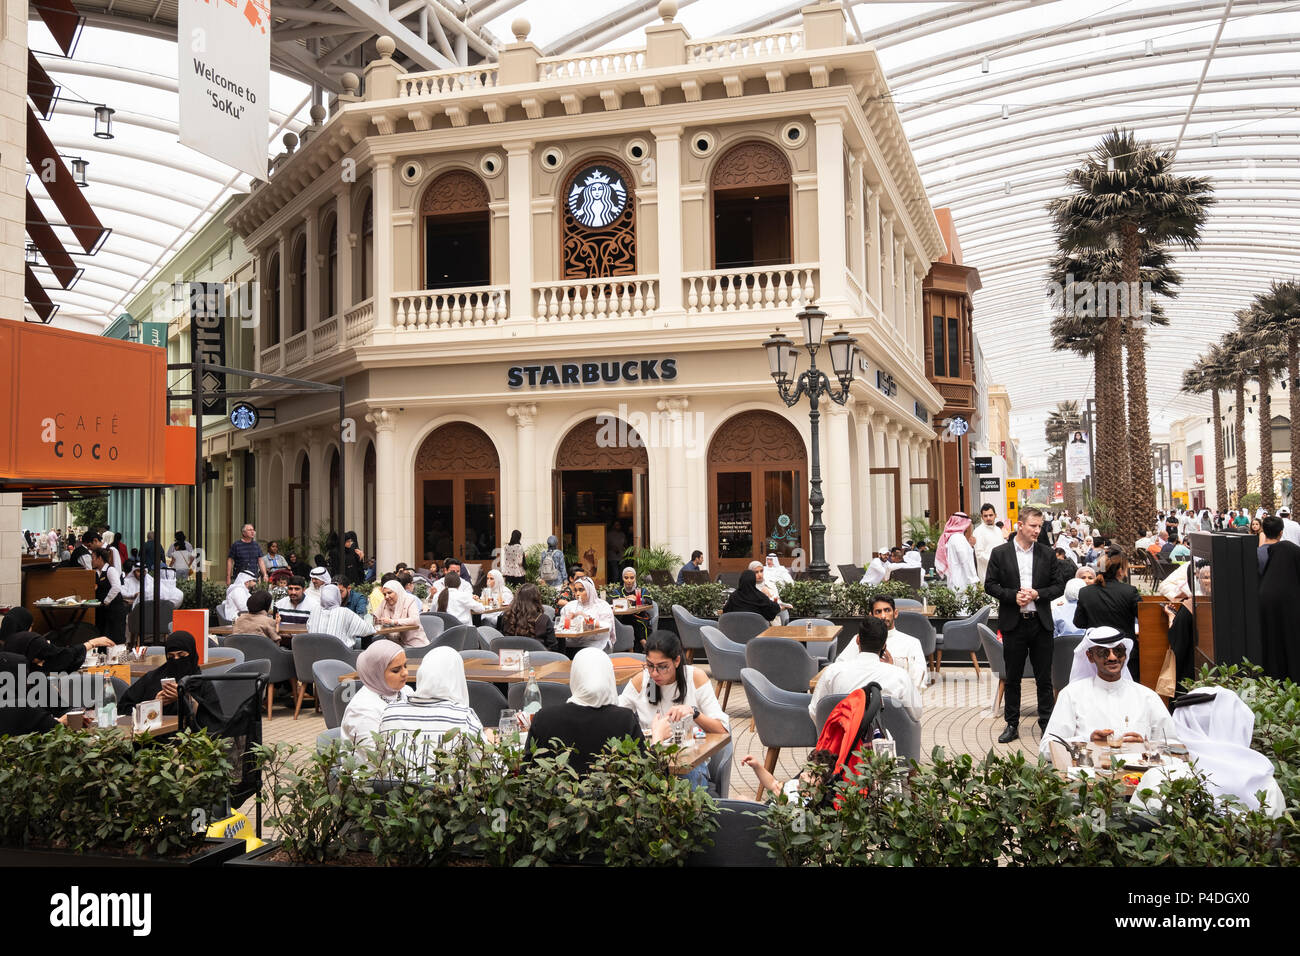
(598, 197)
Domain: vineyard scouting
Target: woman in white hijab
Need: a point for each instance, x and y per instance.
(591, 717)
(382, 669)
(401, 609)
(236, 602)
(1217, 727)
(496, 591)
(416, 727)
(589, 605)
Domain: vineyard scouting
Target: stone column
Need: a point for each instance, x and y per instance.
(678, 506)
(857, 245)
(386, 467)
(343, 207)
(526, 520)
(520, 193)
(830, 205)
(874, 248)
(668, 169)
(315, 264)
(863, 487)
(838, 510)
(906, 470)
(383, 216)
(282, 331)
(887, 271)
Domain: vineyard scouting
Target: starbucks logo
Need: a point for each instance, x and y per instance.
(598, 197)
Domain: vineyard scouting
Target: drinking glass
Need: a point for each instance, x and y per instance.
(1115, 740)
(508, 726)
(1159, 743)
(681, 730)
(885, 747)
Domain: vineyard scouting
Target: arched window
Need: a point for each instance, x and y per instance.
(272, 304)
(298, 288)
(366, 286)
(330, 286)
(457, 482)
(299, 495)
(369, 480)
(751, 207)
(456, 232)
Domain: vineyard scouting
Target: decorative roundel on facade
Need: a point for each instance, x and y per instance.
(491, 165)
(783, 520)
(598, 197)
(702, 143)
(636, 150)
(793, 134)
(553, 157)
(412, 172)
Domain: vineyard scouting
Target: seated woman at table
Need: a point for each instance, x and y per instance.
(382, 669)
(747, 597)
(182, 661)
(275, 561)
(525, 618)
(401, 609)
(17, 621)
(48, 659)
(589, 604)
(672, 689)
(496, 591)
(588, 720)
(453, 600)
(257, 619)
(635, 597)
(415, 728)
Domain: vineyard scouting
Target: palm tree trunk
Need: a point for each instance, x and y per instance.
(1220, 471)
(1239, 436)
(1293, 372)
(1111, 453)
(1142, 493)
(1266, 439)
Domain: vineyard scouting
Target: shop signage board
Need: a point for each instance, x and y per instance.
(208, 339)
(983, 465)
(224, 48)
(990, 484)
(583, 374)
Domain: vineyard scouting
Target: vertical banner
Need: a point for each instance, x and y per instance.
(225, 80)
(1179, 479)
(1076, 457)
(154, 333)
(208, 339)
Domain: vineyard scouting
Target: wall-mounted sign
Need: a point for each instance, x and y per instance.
(919, 411)
(244, 416)
(208, 339)
(990, 484)
(983, 465)
(885, 382)
(154, 333)
(592, 373)
(958, 426)
(598, 197)
(1078, 464)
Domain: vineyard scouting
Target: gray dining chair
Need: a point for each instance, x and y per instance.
(781, 717)
(462, 637)
(735, 841)
(720, 771)
(328, 738)
(433, 625)
(224, 650)
(487, 634)
(997, 664)
(232, 694)
(908, 604)
(742, 626)
(623, 637)
(139, 620)
(416, 653)
(917, 625)
(782, 661)
(518, 643)
(548, 611)
(963, 637)
(260, 647)
(325, 675)
(536, 658)
(726, 660)
(688, 629)
(850, 573)
(155, 650)
(817, 650)
(553, 693)
(1063, 659)
(903, 727)
(729, 579)
(824, 708)
(478, 655)
(307, 649)
(448, 620)
(486, 701)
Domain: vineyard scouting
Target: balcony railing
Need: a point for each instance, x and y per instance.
(270, 360)
(295, 350)
(617, 297)
(745, 290)
(358, 321)
(746, 46)
(558, 69)
(458, 81)
(451, 308)
(326, 335)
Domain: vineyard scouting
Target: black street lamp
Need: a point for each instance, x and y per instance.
(783, 359)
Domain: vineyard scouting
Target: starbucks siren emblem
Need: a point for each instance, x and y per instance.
(598, 197)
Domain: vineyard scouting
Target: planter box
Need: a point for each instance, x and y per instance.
(216, 852)
(259, 857)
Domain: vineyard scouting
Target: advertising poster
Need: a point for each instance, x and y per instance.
(1076, 457)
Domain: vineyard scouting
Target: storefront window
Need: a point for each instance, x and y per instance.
(735, 515)
(781, 512)
(480, 518)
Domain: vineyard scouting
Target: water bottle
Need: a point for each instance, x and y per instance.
(106, 712)
(532, 698)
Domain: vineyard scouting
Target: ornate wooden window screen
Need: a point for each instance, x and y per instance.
(606, 251)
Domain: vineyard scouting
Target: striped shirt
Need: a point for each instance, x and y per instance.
(415, 728)
(338, 622)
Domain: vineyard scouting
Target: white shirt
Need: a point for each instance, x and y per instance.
(1090, 704)
(114, 577)
(903, 648)
(1025, 562)
(338, 622)
(461, 604)
(183, 558)
(601, 613)
(364, 710)
(987, 537)
(776, 575)
(1290, 531)
(845, 676)
(876, 572)
(465, 587)
(701, 697)
(961, 563)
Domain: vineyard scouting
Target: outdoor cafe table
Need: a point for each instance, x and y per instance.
(632, 610)
(578, 635)
(489, 672)
(145, 665)
(1101, 754)
(817, 633)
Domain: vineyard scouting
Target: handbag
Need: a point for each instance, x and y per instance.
(1167, 682)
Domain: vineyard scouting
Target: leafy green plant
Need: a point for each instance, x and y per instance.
(808, 598)
(976, 597)
(653, 559)
(1101, 516)
(1251, 500)
(533, 560)
(318, 800)
(699, 600)
(919, 528)
(214, 594)
(944, 600)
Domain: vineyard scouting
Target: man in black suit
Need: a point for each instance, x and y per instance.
(1025, 577)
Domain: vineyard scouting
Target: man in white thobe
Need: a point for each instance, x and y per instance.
(774, 574)
(1290, 529)
(987, 537)
(870, 665)
(1101, 696)
(904, 650)
(878, 569)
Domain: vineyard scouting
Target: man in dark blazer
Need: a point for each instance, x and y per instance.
(1025, 577)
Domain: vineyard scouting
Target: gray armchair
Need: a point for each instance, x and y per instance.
(824, 708)
(1063, 659)
(742, 626)
(817, 650)
(782, 661)
(908, 604)
(325, 675)
(623, 637)
(307, 650)
(487, 634)
(781, 717)
(462, 637)
(726, 659)
(259, 647)
(478, 655)
(486, 701)
(963, 637)
(433, 626)
(735, 842)
(688, 629)
(904, 728)
(997, 663)
(553, 694)
(518, 643)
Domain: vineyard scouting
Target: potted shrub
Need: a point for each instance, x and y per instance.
(99, 798)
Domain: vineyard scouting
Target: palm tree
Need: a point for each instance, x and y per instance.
(1263, 342)
(1210, 373)
(1239, 373)
(1127, 197)
(1280, 307)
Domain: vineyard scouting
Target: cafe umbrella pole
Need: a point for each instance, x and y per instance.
(157, 561)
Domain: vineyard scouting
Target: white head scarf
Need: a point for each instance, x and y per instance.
(1083, 668)
(237, 595)
(589, 595)
(330, 596)
(496, 585)
(1073, 587)
(320, 574)
(1217, 734)
(394, 586)
(912, 559)
(591, 678)
(442, 677)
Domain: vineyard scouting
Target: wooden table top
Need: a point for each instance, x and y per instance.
(697, 751)
(284, 629)
(145, 665)
(170, 724)
(489, 672)
(632, 610)
(818, 632)
(571, 635)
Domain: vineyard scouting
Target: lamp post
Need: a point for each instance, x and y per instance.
(783, 360)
